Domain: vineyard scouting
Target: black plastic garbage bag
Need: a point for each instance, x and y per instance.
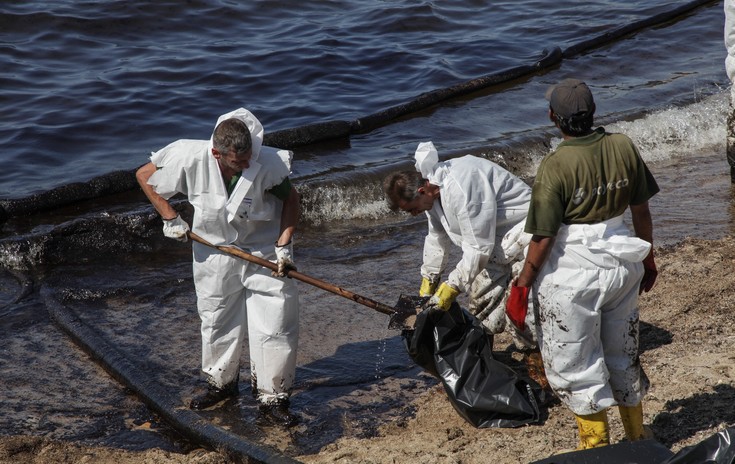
(717, 449)
(626, 452)
(453, 347)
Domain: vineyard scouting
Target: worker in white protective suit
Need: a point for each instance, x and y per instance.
(587, 269)
(476, 205)
(730, 69)
(242, 197)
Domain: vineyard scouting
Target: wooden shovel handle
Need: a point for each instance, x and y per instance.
(380, 307)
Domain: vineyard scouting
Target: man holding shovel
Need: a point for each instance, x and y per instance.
(242, 197)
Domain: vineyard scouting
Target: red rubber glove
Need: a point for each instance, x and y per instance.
(517, 306)
(649, 274)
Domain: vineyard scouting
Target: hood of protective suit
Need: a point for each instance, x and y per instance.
(255, 127)
(426, 159)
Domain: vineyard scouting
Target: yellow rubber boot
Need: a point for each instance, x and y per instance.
(632, 417)
(593, 430)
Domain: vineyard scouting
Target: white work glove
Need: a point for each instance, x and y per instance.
(284, 259)
(495, 321)
(176, 229)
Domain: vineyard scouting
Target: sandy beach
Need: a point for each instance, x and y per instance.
(687, 331)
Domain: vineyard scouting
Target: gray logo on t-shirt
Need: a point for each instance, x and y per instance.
(578, 196)
(600, 190)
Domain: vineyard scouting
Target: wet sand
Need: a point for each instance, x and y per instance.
(688, 329)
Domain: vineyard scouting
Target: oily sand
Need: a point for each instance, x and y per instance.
(687, 335)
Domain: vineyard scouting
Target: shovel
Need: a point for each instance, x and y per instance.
(402, 316)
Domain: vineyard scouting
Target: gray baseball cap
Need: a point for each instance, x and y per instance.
(569, 97)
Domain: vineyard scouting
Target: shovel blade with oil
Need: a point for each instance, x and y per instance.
(402, 316)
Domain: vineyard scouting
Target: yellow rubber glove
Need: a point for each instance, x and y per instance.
(427, 287)
(444, 296)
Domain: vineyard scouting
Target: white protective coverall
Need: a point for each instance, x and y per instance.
(230, 289)
(482, 209)
(730, 69)
(730, 39)
(587, 295)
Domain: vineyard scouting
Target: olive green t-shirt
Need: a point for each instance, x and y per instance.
(588, 180)
(281, 190)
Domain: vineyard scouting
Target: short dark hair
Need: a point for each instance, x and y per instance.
(576, 125)
(402, 185)
(232, 134)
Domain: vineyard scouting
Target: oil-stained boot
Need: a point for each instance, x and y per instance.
(276, 413)
(213, 395)
(593, 430)
(632, 417)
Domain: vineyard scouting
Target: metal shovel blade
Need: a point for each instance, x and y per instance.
(404, 317)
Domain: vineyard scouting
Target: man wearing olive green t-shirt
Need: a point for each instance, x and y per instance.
(586, 268)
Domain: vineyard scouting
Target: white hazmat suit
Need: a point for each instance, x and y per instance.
(729, 34)
(482, 209)
(588, 292)
(232, 292)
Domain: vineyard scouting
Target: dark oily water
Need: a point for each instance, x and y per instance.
(349, 382)
(96, 89)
